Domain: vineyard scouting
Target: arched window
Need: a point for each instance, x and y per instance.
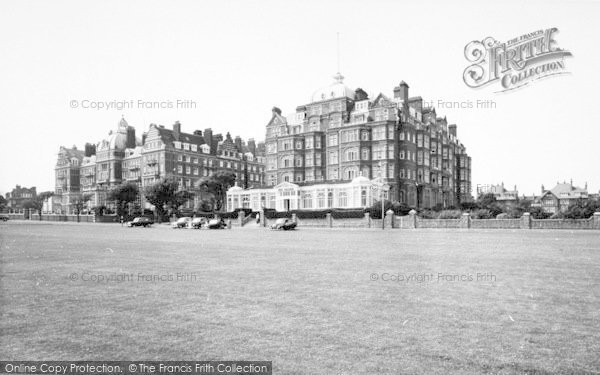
(363, 198)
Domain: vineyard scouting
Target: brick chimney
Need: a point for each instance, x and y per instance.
(360, 94)
(452, 129)
(208, 136)
(238, 143)
(252, 146)
(401, 91)
(176, 130)
(130, 141)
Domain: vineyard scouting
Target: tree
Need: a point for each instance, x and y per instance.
(375, 209)
(37, 203)
(488, 202)
(124, 194)
(42, 198)
(582, 209)
(80, 204)
(3, 202)
(538, 213)
(217, 185)
(29, 205)
(166, 194)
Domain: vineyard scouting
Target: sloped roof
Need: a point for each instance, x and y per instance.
(168, 136)
(72, 153)
(566, 188)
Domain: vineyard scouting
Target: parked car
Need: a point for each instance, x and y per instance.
(182, 222)
(198, 222)
(285, 224)
(4, 217)
(216, 224)
(141, 221)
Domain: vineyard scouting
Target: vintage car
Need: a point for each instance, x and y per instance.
(285, 224)
(141, 221)
(216, 224)
(182, 222)
(198, 222)
(4, 217)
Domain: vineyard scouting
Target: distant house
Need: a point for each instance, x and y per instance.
(560, 197)
(502, 195)
(20, 195)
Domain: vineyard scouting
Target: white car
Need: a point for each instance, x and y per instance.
(182, 222)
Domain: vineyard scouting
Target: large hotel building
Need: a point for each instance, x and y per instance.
(341, 150)
(158, 153)
(346, 150)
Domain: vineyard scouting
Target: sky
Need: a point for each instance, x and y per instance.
(235, 60)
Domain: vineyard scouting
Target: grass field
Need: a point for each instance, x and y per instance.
(306, 300)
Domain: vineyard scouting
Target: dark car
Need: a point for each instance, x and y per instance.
(140, 222)
(216, 224)
(285, 224)
(4, 217)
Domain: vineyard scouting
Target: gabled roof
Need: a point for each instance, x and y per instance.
(381, 100)
(277, 119)
(71, 153)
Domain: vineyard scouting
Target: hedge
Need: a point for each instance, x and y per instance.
(347, 214)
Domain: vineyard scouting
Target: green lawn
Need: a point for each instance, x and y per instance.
(305, 299)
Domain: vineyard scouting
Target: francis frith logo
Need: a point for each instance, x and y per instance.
(515, 63)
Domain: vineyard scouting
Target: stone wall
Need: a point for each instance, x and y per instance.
(496, 223)
(564, 224)
(410, 221)
(438, 223)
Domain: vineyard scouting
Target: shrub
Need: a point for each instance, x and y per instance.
(375, 209)
(227, 215)
(481, 214)
(438, 207)
(401, 209)
(450, 214)
(348, 214)
(538, 213)
(204, 214)
(428, 214)
(99, 210)
(302, 214)
(270, 213)
(468, 206)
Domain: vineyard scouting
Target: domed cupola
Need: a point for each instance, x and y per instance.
(336, 90)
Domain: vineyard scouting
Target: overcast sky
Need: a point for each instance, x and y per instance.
(238, 59)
